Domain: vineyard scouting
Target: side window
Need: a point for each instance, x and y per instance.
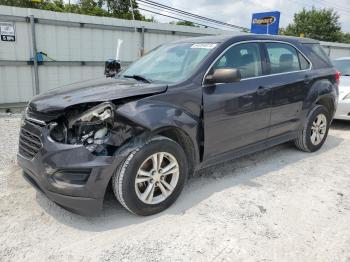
(283, 58)
(318, 55)
(245, 57)
(304, 64)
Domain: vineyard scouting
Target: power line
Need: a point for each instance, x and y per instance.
(177, 12)
(174, 17)
(177, 18)
(324, 6)
(343, 8)
(183, 17)
(191, 14)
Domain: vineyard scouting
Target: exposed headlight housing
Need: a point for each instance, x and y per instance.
(101, 112)
(90, 128)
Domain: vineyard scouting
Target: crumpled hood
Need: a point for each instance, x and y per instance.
(98, 90)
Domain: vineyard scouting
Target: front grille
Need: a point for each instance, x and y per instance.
(32, 118)
(29, 143)
(36, 122)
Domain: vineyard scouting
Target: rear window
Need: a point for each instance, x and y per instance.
(284, 58)
(318, 55)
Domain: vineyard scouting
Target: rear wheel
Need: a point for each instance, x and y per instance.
(315, 130)
(152, 176)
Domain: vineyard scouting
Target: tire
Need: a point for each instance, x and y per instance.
(305, 141)
(138, 166)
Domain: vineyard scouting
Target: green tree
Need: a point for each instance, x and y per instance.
(151, 19)
(320, 24)
(92, 7)
(121, 9)
(19, 3)
(114, 8)
(346, 38)
(186, 23)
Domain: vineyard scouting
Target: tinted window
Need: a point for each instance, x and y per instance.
(318, 56)
(304, 64)
(283, 58)
(245, 57)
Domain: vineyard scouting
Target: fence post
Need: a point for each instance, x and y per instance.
(35, 57)
(142, 49)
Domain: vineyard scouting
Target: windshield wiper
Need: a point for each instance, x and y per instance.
(138, 78)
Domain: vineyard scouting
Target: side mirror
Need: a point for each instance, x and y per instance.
(112, 67)
(224, 75)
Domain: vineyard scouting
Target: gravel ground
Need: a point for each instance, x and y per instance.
(276, 205)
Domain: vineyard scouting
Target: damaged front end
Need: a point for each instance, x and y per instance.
(72, 155)
(73, 139)
(97, 127)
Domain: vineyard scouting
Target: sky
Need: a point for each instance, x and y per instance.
(238, 12)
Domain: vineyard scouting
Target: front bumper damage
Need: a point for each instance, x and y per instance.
(69, 175)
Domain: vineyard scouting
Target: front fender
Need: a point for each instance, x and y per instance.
(155, 115)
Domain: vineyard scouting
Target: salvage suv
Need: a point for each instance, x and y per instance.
(183, 106)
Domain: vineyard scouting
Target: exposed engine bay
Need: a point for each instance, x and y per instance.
(93, 126)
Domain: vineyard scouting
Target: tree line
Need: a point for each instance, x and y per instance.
(320, 24)
(110, 8)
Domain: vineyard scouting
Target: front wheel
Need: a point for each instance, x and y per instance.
(152, 176)
(315, 130)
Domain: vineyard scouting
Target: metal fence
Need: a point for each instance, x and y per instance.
(77, 46)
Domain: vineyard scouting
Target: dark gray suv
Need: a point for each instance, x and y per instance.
(183, 106)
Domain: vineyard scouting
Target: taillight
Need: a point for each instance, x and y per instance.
(337, 77)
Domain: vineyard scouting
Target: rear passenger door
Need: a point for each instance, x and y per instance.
(288, 78)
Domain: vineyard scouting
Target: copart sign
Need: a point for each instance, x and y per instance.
(265, 23)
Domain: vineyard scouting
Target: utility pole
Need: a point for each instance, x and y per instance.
(133, 15)
(133, 21)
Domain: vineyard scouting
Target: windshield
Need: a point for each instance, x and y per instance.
(169, 63)
(343, 66)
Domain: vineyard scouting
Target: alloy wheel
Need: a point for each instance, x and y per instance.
(157, 178)
(318, 129)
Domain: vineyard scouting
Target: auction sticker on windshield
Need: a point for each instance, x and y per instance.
(204, 45)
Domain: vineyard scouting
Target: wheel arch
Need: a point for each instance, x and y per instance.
(157, 118)
(184, 140)
(328, 102)
(322, 92)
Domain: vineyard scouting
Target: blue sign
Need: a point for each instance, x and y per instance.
(265, 23)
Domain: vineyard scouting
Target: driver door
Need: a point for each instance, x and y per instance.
(237, 114)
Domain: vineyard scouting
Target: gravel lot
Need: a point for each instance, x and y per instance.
(277, 205)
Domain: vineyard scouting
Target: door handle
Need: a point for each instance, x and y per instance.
(262, 90)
